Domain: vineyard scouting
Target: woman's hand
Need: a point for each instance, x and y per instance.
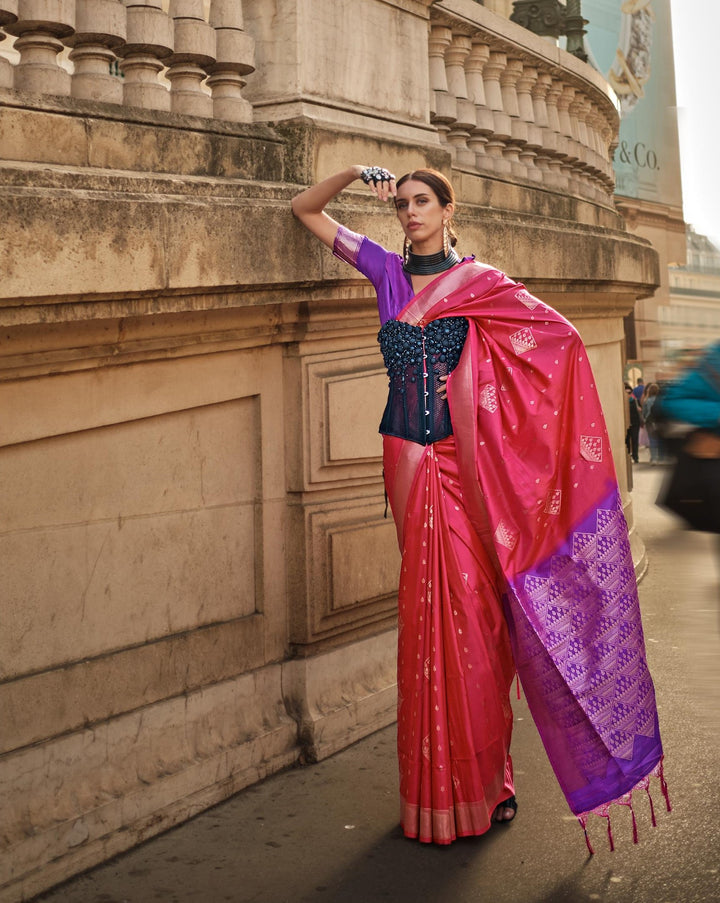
(380, 181)
(442, 390)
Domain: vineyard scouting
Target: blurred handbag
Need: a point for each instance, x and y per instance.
(693, 491)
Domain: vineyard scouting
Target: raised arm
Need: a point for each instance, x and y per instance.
(309, 205)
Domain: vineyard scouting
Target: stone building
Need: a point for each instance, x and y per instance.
(692, 318)
(198, 582)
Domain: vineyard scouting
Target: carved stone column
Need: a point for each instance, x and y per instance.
(443, 106)
(528, 153)
(149, 43)
(572, 153)
(235, 52)
(485, 125)
(555, 140)
(610, 141)
(39, 28)
(540, 113)
(99, 28)
(597, 124)
(518, 128)
(455, 57)
(586, 137)
(498, 141)
(194, 41)
(8, 15)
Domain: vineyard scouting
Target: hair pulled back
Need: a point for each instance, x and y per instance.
(440, 187)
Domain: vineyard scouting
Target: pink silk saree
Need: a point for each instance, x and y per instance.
(513, 538)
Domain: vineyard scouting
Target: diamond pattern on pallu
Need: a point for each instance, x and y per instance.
(591, 448)
(505, 536)
(554, 502)
(587, 615)
(527, 299)
(487, 398)
(523, 340)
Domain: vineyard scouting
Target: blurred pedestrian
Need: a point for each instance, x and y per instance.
(647, 408)
(693, 490)
(632, 436)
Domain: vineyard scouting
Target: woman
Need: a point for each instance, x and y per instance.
(506, 562)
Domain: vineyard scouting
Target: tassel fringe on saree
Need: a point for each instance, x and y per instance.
(515, 555)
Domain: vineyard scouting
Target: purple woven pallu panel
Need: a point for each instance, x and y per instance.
(579, 649)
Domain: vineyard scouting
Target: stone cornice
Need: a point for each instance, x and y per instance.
(637, 211)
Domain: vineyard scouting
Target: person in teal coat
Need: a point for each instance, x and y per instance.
(695, 397)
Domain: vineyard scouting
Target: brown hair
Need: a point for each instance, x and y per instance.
(440, 187)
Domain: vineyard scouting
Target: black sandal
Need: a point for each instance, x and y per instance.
(509, 803)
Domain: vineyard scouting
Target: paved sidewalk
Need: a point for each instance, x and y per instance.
(328, 833)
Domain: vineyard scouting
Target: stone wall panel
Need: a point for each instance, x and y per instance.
(95, 792)
(50, 703)
(101, 586)
(350, 580)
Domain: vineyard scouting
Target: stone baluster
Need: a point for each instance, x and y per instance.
(99, 28)
(149, 42)
(566, 127)
(554, 140)
(540, 112)
(568, 145)
(583, 167)
(497, 142)
(235, 52)
(594, 124)
(518, 128)
(443, 106)
(194, 41)
(465, 122)
(608, 136)
(529, 151)
(8, 15)
(596, 121)
(610, 142)
(39, 28)
(589, 139)
(484, 123)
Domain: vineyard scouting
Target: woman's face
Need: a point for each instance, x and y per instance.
(421, 216)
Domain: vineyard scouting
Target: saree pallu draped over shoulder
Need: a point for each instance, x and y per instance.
(515, 555)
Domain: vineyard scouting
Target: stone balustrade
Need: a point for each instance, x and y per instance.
(128, 51)
(516, 106)
(503, 101)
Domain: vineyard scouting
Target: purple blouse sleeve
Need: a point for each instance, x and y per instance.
(366, 256)
(381, 267)
(347, 245)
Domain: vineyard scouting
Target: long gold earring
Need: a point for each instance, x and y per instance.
(446, 240)
(406, 250)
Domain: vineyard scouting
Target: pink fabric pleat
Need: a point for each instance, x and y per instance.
(455, 666)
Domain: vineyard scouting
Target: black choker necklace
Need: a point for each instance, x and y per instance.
(426, 264)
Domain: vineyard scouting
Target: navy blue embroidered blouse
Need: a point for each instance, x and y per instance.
(416, 357)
